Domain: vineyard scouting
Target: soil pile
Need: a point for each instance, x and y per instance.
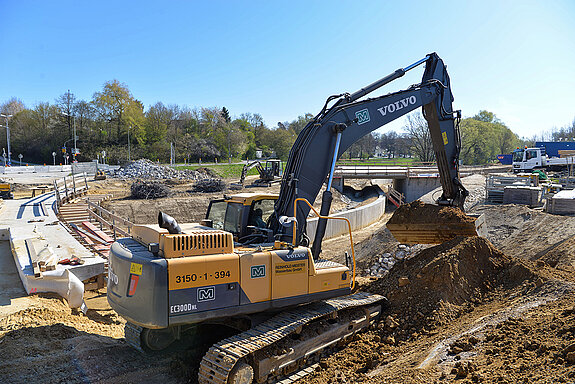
(418, 212)
(450, 274)
(433, 296)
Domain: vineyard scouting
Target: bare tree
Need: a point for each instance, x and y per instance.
(66, 104)
(418, 133)
(12, 106)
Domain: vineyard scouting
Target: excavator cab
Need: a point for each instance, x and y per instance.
(244, 215)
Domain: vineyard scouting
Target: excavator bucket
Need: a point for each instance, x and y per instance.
(419, 223)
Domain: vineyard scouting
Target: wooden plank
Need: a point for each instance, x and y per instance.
(92, 228)
(89, 237)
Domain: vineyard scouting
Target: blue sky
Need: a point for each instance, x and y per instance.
(283, 59)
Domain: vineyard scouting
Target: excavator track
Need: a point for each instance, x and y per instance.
(132, 335)
(221, 362)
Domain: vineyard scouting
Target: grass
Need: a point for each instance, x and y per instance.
(234, 171)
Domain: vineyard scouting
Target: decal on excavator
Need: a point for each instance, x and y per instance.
(362, 116)
(392, 107)
(293, 267)
(257, 271)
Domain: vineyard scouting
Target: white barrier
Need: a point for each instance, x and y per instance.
(358, 217)
(36, 169)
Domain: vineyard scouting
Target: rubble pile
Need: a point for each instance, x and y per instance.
(145, 169)
(150, 190)
(387, 260)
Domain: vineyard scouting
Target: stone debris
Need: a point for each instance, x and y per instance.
(387, 260)
(145, 169)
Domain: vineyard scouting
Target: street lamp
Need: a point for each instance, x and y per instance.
(7, 136)
(75, 137)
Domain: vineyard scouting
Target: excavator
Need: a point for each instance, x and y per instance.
(249, 266)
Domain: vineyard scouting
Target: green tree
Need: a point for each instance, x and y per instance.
(111, 105)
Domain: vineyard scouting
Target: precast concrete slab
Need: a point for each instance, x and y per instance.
(36, 219)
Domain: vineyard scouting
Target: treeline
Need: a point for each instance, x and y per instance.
(116, 124)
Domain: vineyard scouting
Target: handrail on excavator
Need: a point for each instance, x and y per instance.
(328, 218)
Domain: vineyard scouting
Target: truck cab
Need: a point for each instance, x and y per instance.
(527, 159)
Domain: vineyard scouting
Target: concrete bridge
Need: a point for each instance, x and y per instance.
(413, 181)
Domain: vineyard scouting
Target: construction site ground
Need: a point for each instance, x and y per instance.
(496, 311)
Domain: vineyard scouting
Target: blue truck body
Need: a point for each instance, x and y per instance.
(552, 147)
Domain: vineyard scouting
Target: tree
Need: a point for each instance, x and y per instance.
(12, 106)
(111, 105)
(226, 115)
(388, 143)
(418, 134)
(66, 104)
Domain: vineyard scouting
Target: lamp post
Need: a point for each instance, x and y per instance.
(75, 137)
(54, 157)
(7, 136)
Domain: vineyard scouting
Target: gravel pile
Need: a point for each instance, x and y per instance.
(145, 169)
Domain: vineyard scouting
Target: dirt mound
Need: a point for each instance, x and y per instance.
(462, 270)
(419, 212)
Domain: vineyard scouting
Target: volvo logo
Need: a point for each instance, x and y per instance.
(397, 105)
(206, 294)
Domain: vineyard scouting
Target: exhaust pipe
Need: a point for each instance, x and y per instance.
(169, 223)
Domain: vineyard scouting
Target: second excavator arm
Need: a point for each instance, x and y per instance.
(350, 117)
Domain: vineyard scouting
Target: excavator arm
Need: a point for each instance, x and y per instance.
(350, 117)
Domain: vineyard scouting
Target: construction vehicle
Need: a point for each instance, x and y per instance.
(6, 191)
(285, 305)
(270, 172)
(99, 175)
(527, 159)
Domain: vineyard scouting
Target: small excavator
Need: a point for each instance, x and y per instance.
(251, 268)
(270, 172)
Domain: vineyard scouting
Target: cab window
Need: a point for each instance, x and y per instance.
(225, 216)
(217, 213)
(233, 217)
(260, 212)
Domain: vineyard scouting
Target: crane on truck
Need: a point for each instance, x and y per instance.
(285, 304)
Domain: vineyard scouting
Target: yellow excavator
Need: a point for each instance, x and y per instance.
(250, 266)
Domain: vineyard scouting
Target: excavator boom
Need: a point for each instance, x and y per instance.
(349, 118)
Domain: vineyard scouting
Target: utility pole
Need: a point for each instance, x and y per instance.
(7, 136)
(129, 158)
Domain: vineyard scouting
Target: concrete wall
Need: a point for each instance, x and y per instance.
(415, 187)
(358, 217)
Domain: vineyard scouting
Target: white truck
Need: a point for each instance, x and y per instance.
(527, 159)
